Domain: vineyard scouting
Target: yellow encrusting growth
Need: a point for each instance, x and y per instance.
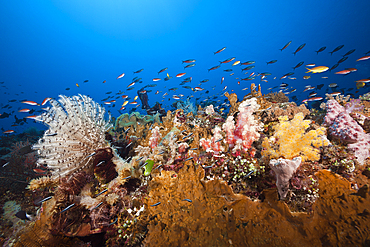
(291, 140)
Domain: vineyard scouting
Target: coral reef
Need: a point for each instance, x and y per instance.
(199, 179)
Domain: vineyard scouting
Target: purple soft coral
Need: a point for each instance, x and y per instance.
(344, 128)
(284, 170)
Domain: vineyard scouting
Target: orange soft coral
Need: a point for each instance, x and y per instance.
(291, 140)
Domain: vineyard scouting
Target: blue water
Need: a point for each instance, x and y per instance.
(48, 46)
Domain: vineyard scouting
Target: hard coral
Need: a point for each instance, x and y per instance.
(288, 109)
(291, 140)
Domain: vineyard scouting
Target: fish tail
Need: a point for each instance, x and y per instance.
(317, 52)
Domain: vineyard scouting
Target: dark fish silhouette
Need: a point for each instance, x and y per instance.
(321, 49)
(299, 48)
(285, 46)
(138, 71)
(342, 59)
(4, 115)
(336, 49)
(298, 65)
(349, 52)
(334, 66)
(26, 150)
(23, 215)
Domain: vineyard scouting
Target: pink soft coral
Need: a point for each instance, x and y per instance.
(154, 139)
(213, 145)
(241, 136)
(344, 128)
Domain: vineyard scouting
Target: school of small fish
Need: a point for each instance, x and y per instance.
(233, 64)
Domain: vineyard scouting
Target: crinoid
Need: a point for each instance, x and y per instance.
(76, 131)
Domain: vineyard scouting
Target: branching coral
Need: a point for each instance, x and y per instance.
(41, 183)
(291, 140)
(76, 130)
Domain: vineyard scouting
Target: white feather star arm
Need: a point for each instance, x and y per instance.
(76, 130)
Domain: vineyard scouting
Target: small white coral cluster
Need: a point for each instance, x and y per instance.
(241, 135)
(76, 130)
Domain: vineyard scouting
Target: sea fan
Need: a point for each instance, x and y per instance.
(76, 131)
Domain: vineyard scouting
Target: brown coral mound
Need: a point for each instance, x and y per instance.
(218, 217)
(285, 109)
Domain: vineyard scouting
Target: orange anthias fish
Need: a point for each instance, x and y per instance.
(364, 80)
(24, 110)
(363, 58)
(8, 131)
(189, 61)
(45, 101)
(343, 72)
(32, 117)
(180, 74)
(223, 48)
(156, 79)
(38, 170)
(228, 60)
(121, 75)
(318, 69)
(30, 102)
(198, 89)
(131, 84)
(162, 70)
